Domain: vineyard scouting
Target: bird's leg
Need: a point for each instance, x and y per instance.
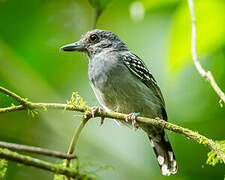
(93, 112)
(132, 117)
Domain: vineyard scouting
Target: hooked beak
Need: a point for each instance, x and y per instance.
(73, 47)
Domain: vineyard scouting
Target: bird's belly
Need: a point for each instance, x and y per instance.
(126, 95)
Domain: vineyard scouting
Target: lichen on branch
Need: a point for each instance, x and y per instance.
(34, 162)
(3, 167)
(160, 123)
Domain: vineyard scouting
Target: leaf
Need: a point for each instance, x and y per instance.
(213, 159)
(59, 177)
(76, 100)
(156, 4)
(210, 21)
(3, 167)
(33, 113)
(98, 6)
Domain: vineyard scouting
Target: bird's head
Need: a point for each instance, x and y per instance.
(95, 42)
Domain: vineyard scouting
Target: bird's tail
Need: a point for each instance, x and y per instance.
(164, 154)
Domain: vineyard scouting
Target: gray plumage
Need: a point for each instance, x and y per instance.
(122, 83)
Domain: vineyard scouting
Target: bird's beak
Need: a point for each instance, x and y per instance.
(73, 47)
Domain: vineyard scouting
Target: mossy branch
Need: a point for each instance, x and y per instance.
(36, 150)
(34, 162)
(217, 148)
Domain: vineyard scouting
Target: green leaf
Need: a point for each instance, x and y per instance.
(59, 177)
(156, 4)
(3, 167)
(98, 6)
(33, 113)
(76, 100)
(210, 21)
(213, 159)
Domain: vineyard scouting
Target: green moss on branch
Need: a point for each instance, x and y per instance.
(29, 161)
(81, 107)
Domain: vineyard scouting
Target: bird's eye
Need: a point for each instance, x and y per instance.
(94, 38)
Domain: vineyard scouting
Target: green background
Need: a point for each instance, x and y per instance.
(31, 33)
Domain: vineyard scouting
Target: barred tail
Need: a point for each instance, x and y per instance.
(164, 154)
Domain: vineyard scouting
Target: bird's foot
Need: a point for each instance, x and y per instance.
(101, 121)
(132, 117)
(94, 110)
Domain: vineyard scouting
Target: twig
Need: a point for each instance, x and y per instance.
(29, 161)
(113, 115)
(12, 108)
(207, 75)
(76, 135)
(36, 150)
(19, 99)
(158, 123)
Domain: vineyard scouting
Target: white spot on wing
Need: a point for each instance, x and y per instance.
(165, 170)
(152, 143)
(160, 160)
(174, 165)
(170, 155)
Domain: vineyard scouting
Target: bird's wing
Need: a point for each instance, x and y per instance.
(139, 69)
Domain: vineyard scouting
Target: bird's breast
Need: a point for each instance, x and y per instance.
(97, 74)
(117, 89)
(105, 79)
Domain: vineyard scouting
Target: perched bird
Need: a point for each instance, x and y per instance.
(122, 83)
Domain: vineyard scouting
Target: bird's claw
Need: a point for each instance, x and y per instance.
(127, 117)
(94, 110)
(101, 121)
(132, 117)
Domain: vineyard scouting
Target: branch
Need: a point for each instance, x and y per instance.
(19, 99)
(160, 123)
(11, 109)
(29, 161)
(207, 75)
(36, 150)
(76, 135)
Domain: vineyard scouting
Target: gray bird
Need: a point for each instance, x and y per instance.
(122, 83)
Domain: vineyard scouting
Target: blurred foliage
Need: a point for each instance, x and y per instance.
(3, 167)
(159, 4)
(98, 6)
(213, 159)
(210, 31)
(31, 33)
(33, 113)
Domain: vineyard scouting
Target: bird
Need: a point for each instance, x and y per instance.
(122, 83)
